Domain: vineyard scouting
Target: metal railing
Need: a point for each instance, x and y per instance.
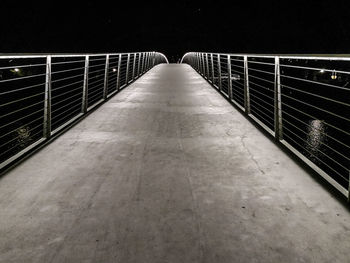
(303, 101)
(42, 94)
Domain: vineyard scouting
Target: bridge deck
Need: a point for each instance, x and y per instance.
(167, 171)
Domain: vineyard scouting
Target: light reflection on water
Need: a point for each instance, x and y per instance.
(316, 136)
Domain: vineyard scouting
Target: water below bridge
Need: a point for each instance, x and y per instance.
(168, 171)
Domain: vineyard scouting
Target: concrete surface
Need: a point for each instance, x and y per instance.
(167, 171)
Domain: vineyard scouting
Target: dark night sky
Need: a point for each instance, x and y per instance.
(174, 27)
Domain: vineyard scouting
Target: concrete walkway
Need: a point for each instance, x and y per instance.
(167, 171)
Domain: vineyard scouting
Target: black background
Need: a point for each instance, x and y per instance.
(175, 27)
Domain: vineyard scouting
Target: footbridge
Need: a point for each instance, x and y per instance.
(124, 157)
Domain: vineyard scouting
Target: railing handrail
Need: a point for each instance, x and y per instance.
(345, 57)
(38, 55)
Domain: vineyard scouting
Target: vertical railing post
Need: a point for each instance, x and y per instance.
(229, 79)
(47, 103)
(154, 59)
(134, 67)
(219, 71)
(207, 63)
(139, 65)
(212, 68)
(195, 62)
(143, 62)
(278, 102)
(246, 86)
(127, 69)
(200, 64)
(147, 61)
(203, 64)
(85, 86)
(118, 72)
(105, 84)
(150, 60)
(139, 70)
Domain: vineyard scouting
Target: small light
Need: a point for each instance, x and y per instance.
(114, 69)
(334, 75)
(236, 77)
(16, 69)
(322, 71)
